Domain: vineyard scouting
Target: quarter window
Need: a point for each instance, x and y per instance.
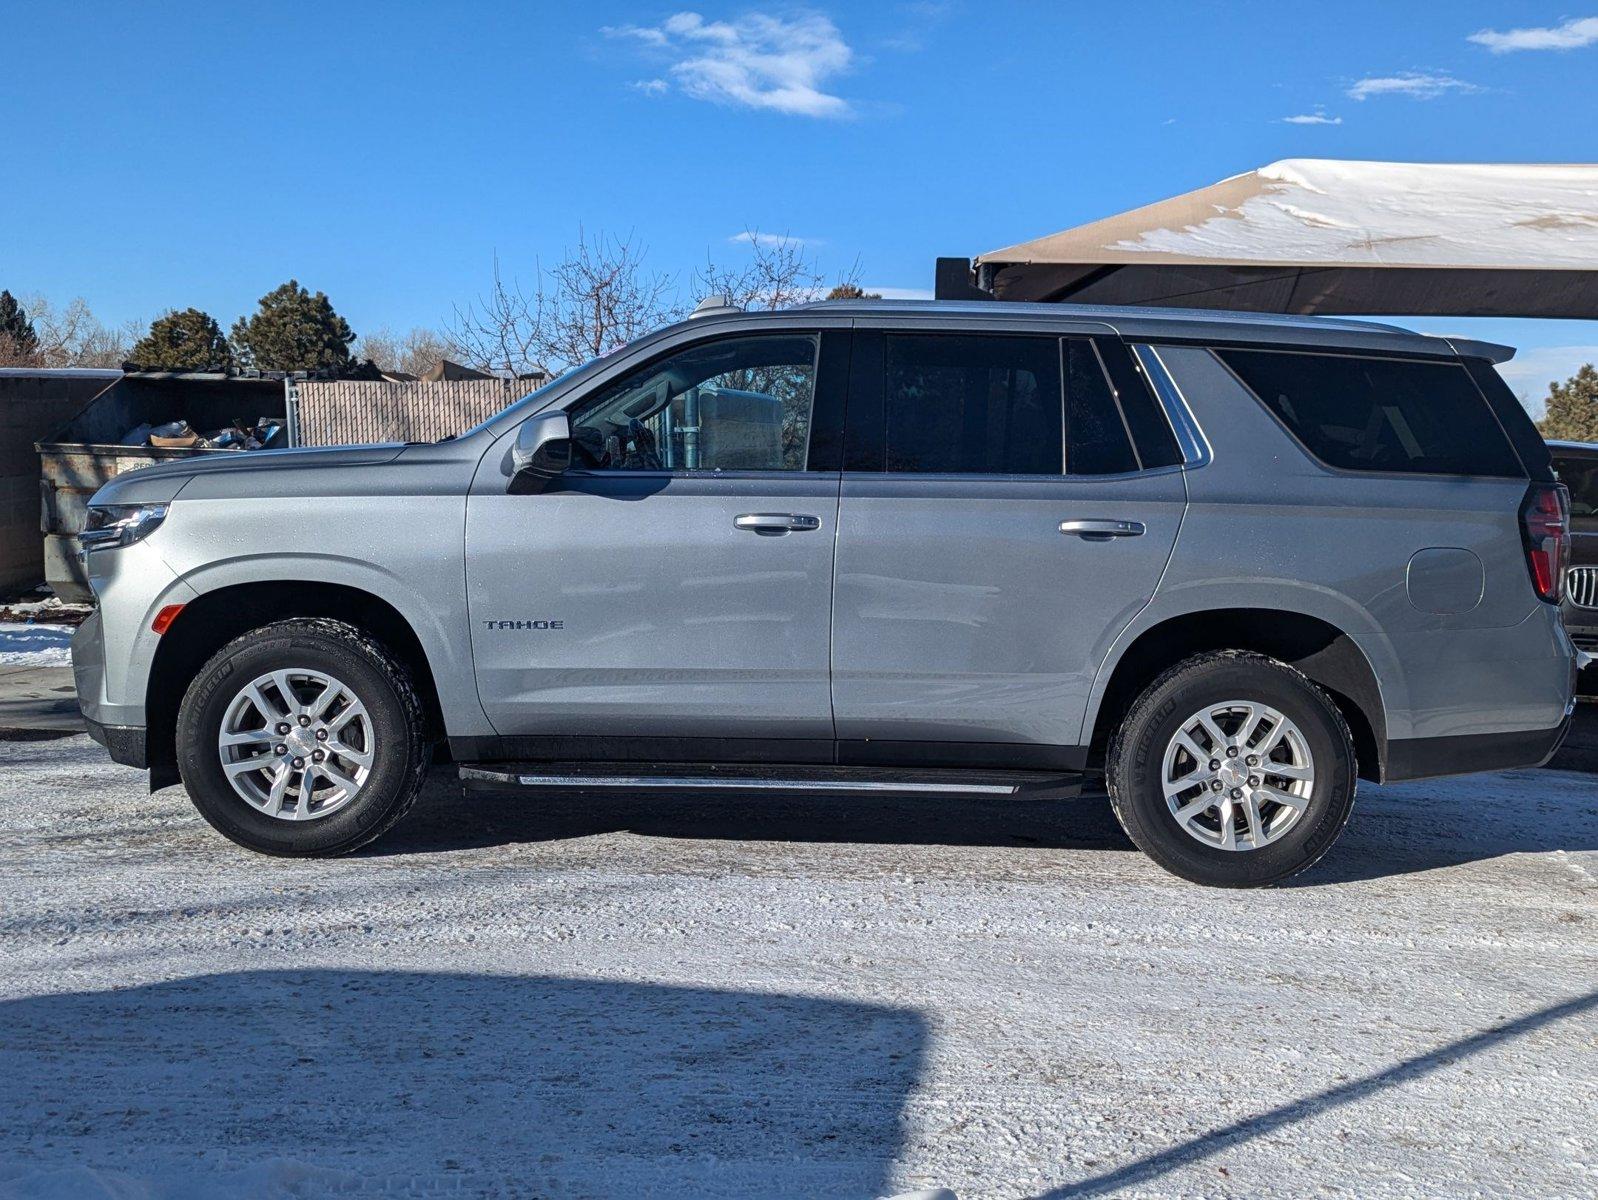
(1380, 414)
(734, 404)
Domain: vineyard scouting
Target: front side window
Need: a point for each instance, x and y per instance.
(734, 404)
(973, 404)
(1379, 414)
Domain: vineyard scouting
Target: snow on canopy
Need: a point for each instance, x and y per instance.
(1314, 235)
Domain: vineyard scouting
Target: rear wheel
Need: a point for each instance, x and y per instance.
(303, 737)
(1233, 770)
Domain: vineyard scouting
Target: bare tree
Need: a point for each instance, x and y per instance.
(779, 274)
(412, 353)
(74, 337)
(499, 332)
(599, 297)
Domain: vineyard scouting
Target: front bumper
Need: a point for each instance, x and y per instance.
(126, 744)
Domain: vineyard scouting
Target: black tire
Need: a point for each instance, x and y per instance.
(1136, 763)
(400, 753)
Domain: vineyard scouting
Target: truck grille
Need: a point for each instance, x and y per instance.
(1581, 585)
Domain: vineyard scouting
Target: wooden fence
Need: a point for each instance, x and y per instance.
(344, 412)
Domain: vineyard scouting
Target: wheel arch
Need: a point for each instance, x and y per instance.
(1322, 651)
(214, 618)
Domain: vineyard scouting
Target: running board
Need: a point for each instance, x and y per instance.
(745, 777)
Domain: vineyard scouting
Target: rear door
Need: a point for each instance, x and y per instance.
(999, 524)
(675, 585)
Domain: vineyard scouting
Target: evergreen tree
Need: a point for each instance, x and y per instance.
(849, 290)
(184, 341)
(1573, 408)
(19, 341)
(294, 331)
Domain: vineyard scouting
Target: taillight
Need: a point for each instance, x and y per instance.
(1545, 528)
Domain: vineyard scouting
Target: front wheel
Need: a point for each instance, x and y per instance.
(1232, 770)
(304, 737)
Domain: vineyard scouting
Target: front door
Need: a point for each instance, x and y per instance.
(676, 584)
(1005, 515)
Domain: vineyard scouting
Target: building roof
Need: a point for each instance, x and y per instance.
(1316, 235)
(60, 373)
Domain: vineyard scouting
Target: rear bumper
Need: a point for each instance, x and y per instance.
(1427, 758)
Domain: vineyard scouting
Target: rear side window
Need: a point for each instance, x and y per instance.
(1151, 429)
(959, 404)
(1379, 414)
(1097, 442)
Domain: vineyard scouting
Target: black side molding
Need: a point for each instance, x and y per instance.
(1004, 756)
(1427, 758)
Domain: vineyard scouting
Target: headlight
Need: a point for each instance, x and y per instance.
(120, 524)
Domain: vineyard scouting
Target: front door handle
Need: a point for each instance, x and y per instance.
(1102, 531)
(776, 524)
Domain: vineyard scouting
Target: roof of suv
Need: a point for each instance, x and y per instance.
(1183, 323)
(1095, 312)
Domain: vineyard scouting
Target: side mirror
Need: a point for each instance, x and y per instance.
(543, 452)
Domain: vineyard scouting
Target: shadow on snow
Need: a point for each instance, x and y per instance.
(253, 1082)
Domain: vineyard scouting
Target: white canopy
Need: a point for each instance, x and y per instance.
(1313, 235)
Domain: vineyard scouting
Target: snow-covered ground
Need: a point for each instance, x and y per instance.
(30, 645)
(734, 997)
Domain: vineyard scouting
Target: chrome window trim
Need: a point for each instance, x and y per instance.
(1190, 436)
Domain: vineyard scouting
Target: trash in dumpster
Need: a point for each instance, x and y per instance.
(113, 433)
(173, 435)
(266, 433)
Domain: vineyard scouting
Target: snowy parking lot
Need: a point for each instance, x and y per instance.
(754, 997)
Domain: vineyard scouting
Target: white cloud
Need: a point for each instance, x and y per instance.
(1572, 35)
(651, 87)
(1315, 118)
(753, 237)
(757, 61)
(1418, 85)
(649, 37)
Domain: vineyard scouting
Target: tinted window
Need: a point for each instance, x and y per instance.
(1580, 475)
(1096, 437)
(1370, 414)
(971, 404)
(1513, 416)
(736, 404)
(1151, 428)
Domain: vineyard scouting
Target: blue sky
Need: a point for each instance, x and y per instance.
(178, 154)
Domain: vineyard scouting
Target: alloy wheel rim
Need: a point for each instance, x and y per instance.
(1237, 775)
(296, 744)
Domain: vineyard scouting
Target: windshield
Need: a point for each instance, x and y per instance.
(1580, 475)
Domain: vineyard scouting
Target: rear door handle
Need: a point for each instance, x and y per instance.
(776, 524)
(1102, 531)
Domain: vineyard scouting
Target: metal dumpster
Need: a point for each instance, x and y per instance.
(87, 451)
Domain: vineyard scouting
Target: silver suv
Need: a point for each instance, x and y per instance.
(1234, 563)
